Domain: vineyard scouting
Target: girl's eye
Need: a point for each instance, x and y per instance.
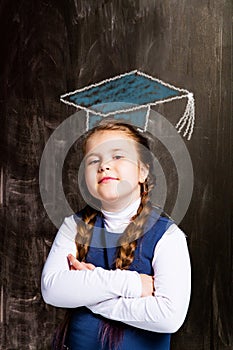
(94, 161)
(118, 156)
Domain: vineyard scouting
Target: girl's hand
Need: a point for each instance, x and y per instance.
(75, 264)
(147, 281)
(147, 285)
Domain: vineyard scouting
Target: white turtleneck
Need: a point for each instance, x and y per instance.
(117, 222)
(116, 294)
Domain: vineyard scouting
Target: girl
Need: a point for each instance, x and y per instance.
(120, 266)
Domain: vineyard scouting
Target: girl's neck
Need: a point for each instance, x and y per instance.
(119, 205)
(118, 221)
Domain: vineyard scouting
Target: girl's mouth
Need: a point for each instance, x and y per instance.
(107, 179)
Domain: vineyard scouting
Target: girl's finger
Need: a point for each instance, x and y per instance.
(74, 263)
(90, 266)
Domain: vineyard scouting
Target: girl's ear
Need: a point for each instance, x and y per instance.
(143, 172)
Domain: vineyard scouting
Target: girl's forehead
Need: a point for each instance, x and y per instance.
(108, 139)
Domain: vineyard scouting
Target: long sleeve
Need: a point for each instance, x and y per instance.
(64, 288)
(166, 310)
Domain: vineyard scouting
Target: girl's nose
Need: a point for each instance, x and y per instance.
(104, 166)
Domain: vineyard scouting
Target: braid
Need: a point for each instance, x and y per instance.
(134, 230)
(82, 241)
(84, 232)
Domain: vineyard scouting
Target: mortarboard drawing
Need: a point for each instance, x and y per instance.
(130, 96)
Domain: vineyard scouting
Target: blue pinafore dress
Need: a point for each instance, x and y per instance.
(84, 327)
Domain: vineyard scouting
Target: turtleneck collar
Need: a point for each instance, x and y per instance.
(117, 222)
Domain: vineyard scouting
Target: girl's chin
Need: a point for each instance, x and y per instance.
(117, 200)
(109, 199)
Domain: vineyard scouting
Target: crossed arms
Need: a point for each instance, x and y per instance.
(120, 294)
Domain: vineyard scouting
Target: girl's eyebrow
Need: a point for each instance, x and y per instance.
(118, 150)
(93, 154)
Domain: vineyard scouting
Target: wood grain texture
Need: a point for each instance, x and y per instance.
(51, 47)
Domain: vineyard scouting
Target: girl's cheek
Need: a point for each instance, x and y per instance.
(86, 174)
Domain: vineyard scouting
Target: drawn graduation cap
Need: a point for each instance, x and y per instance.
(130, 96)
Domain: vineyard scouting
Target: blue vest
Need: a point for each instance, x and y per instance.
(83, 332)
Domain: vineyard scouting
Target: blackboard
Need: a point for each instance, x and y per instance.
(51, 47)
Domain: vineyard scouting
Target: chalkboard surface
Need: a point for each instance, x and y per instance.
(52, 47)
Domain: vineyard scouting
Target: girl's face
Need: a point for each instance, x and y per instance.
(113, 171)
